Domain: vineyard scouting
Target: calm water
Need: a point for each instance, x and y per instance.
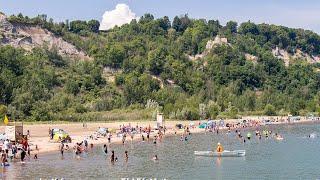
(297, 157)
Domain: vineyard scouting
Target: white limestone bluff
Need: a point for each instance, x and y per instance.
(31, 36)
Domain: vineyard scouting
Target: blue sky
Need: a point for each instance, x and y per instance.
(292, 13)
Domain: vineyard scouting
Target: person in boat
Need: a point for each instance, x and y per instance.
(219, 148)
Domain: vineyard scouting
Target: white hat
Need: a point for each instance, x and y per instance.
(219, 143)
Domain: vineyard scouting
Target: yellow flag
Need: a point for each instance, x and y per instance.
(6, 120)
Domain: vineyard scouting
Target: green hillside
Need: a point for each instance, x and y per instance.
(147, 65)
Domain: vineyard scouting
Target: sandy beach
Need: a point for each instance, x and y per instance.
(39, 133)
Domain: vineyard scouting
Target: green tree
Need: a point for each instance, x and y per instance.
(269, 110)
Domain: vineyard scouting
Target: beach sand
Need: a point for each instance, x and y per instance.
(39, 133)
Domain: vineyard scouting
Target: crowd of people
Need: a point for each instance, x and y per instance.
(18, 152)
(14, 151)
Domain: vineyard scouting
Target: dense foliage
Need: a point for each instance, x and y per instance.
(152, 71)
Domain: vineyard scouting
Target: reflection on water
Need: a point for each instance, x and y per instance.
(297, 157)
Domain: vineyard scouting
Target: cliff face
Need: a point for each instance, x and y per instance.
(29, 37)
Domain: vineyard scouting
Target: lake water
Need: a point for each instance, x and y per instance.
(296, 157)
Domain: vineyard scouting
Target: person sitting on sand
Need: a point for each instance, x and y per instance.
(219, 148)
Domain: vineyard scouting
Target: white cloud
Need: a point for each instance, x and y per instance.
(122, 14)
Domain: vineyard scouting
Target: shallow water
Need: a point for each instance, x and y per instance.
(296, 157)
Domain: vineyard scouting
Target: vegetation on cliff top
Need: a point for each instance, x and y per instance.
(153, 72)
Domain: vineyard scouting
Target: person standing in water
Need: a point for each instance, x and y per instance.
(123, 139)
(23, 154)
(4, 160)
(112, 158)
(126, 156)
(105, 149)
(61, 148)
(148, 136)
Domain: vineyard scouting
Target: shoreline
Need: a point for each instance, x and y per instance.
(40, 136)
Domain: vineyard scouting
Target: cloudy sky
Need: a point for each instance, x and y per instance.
(292, 13)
